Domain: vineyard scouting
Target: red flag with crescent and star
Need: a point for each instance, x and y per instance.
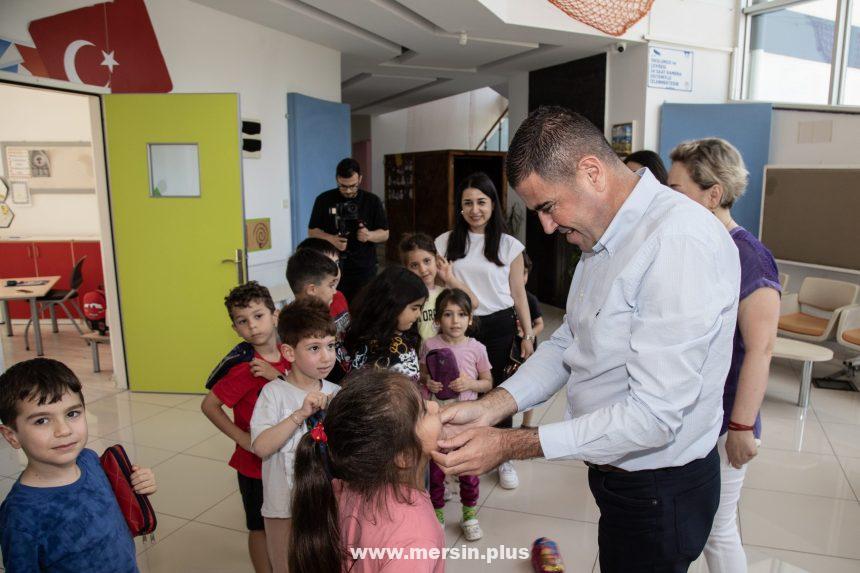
(111, 44)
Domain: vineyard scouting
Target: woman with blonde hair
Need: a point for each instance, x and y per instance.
(712, 173)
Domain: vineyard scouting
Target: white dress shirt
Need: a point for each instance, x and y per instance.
(646, 343)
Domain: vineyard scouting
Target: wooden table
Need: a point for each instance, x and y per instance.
(30, 293)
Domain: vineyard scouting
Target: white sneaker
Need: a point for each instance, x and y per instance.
(472, 530)
(508, 476)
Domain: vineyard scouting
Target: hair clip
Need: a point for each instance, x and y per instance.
(318, 433)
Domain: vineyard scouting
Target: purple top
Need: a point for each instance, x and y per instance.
(758, 270)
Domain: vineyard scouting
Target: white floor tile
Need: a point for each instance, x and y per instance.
(167, 400)
(172, 429)
(192, 403)
(165, 526)
(798, 472)
(548, 489)
(217, 447)
(852, 471)
(577, 541)
(188, 486)
(796, 435)
(111, 414)
(198, 547)
(143, 456)
(845, 438)
(228, 513)
(802, 523)
(12, 461)
(836, 406)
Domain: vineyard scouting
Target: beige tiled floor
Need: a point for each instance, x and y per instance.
(799, 510)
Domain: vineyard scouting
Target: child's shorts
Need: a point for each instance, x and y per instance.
(252, 498)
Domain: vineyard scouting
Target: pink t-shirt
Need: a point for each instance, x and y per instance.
(471, 358)
(398, 526)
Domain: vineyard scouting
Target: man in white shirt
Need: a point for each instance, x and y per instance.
(644, 348)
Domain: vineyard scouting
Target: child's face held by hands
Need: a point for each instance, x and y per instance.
(50, 434)
(429, 427)
(409, 315)
(255, 323)
(423, 264)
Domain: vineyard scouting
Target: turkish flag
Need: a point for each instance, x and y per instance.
(110, 44)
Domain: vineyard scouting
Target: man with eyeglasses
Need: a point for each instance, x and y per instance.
(352, 220)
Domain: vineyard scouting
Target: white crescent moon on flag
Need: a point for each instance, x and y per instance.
(69, 59)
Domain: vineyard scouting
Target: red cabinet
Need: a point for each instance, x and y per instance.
(17, 260)
(45, 258)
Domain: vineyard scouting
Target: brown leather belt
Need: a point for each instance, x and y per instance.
(606, 468)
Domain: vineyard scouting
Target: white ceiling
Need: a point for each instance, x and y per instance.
(399, 53)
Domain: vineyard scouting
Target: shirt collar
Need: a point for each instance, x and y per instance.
(630, 213)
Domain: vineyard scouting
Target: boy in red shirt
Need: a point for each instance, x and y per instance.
(252, 312)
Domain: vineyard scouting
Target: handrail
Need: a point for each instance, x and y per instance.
(492, 129)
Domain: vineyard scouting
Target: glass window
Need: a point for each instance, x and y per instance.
(791, 52)
(852, 68)
(173, 170)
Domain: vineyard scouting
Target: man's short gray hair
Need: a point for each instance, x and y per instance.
(551, 141)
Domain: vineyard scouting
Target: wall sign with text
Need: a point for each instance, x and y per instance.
(670, 69)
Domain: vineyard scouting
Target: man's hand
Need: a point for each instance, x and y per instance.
(476, 451)
(461, 416)
(740, 448)
(363, 235)
(262, 369)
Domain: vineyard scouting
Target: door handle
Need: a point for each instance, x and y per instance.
(238, 260)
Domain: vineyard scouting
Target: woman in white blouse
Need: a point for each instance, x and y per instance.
(490, 263)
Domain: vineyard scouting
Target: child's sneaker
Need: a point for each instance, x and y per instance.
(508, 478)
(472, 529)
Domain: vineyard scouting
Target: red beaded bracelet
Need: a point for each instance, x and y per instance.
(735, 427)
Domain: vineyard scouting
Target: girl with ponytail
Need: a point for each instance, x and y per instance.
(360, 481)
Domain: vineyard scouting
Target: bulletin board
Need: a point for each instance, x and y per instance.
(58, 167)
(810, 215)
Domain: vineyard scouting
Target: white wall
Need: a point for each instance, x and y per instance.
(518, 111)
(626, 78)
(38, 115)
(209, 51)
(455, 122)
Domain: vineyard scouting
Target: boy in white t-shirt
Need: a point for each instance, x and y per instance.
(287, 408)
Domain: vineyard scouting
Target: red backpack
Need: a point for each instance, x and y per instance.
(95, 310)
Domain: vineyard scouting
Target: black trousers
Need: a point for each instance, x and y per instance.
(655, 520)
(353, 280)
(497, 332)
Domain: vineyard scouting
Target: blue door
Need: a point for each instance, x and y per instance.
(319, 137)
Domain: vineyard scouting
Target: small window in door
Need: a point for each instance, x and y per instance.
(174, 170)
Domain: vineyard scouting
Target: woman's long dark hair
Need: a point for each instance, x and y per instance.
(458, 241)
(370, 427)
(380, 302)
(649, 159)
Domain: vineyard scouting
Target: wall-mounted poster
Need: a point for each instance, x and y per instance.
(622, 138)
(258, 234)
(58, 166)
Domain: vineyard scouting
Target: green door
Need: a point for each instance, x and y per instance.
(174, 166)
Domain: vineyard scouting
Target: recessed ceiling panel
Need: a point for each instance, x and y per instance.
(376, 87)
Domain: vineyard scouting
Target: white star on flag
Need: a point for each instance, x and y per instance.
(109, 61)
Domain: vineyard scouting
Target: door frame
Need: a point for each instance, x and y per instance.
(94, 95)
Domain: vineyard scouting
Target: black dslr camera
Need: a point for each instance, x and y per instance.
(346, 218)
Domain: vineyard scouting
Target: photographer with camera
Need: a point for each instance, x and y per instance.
(352, 220)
